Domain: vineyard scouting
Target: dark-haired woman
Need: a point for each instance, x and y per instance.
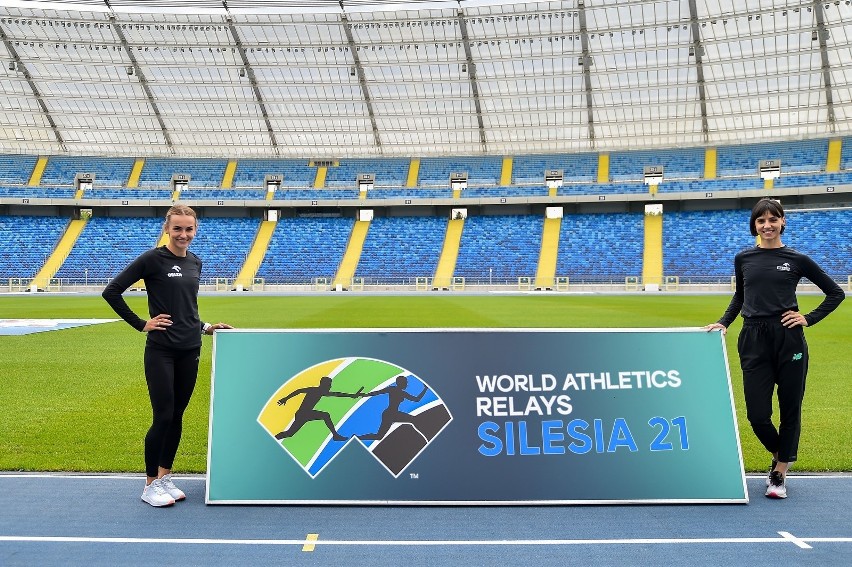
(172, 275)
(771, 344)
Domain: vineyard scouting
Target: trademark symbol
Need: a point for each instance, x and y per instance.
(414, 475)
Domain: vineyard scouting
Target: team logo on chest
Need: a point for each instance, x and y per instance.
(176, 272)
(785, 267)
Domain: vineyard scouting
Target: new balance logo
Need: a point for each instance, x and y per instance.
(797, 356)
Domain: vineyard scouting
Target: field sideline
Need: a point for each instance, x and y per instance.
(75, 400)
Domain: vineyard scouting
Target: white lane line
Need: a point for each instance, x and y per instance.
(128, 476)
(786, 538)
(790, 537)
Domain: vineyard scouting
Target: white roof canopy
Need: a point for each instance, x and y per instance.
(432, 79)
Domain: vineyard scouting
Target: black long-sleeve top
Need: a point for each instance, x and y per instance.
(172, 284)
(766, 280)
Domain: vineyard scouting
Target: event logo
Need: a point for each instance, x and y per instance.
(391, 412)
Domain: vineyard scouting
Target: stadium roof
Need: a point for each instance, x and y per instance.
(340, 79)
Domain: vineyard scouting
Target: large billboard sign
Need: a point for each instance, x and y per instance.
(472, 416)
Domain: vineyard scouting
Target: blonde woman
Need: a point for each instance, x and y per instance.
(172, 275)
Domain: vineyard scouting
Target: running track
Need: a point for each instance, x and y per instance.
(48, 520)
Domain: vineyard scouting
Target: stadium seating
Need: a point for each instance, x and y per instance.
(106, 246)
(26, 242)
(109, 172)
(435, 172)
(16, 169)
(802, 165)
(412, 193)
(389, 172)
(206, 173)
(685, 163)
(304, 194)
(699, 246)
(695, 250)
(400, 249)
(305, 248)
(795, 156)
(509, 191)
(223, 244)
(499, 249)
(37, 192)
(846, 154)
(593, 248)
(128, 194)
(222, 195)
(576, 167)
(600, 248)
(252, 172)
(824, 236)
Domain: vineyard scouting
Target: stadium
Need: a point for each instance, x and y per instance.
(409, 164)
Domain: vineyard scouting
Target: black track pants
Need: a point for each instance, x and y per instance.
(770, 355)
(171, 376)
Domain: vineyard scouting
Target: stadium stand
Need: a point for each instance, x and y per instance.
(37, 192)
(204, 173)
(803, 164)
(128, 194)
(314, 194)
(124, 238)
(390, 172)
(480, 170)
(400, 249)
(824, 236)
(796, 156)
(222, 194)
(510, 191)
(413, 193)
(295, 173)
(530, 169)
(16, 169)
(697, 251)
(109, 172)
(593, 248)
(685, 163)
(26, 242)
(600, 248)
(499, 249)
(223, 244)
(304, 248)
(846, 154)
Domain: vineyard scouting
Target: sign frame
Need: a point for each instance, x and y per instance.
(732, 472)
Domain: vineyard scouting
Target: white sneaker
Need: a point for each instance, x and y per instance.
(777, 486)
(174, 491)
(155, 495)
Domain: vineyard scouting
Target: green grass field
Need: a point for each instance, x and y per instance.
(75, 400)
